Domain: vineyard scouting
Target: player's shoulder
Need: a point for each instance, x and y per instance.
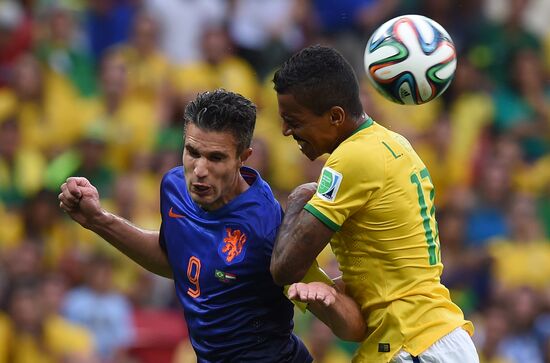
(260, 191)
(359, 150)
(362, 138)
(172, 181)
(366, 156)
(259, 203)
(266, 194)
(173, 175)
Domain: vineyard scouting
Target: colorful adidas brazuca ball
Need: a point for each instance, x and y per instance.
(410, 59)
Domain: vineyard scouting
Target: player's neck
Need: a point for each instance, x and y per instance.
(239, 187)
(350, 128)
(360, 121)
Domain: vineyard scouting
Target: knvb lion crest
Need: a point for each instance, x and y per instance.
(233, 247)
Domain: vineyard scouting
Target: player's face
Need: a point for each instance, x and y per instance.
(313, 133)
(211, 166)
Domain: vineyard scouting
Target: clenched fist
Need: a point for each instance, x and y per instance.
(80, 199)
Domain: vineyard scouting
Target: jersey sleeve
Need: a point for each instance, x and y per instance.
(351, 177)
(162, 241)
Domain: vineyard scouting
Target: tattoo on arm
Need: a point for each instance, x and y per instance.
(301, 238)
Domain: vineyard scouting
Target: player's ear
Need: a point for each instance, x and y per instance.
(245, 154)
(337, 115)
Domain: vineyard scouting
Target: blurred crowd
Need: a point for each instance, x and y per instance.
(96, 88)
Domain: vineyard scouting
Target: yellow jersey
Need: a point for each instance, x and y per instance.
(376, 194)
(60, 342)
(529, 266)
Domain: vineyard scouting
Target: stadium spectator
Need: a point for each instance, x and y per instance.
(148, 68)
(182, 23)
(107, 23)
(15, 37)
(496, 45)
(105, 312)
(524, 343)
(522, 109)
(467, 271)
(487, 216)
(218, 67)
(21, 168)
(45, 112)
(530, 265)
(493, 330)
(63, 53)
(266, 32)
(37, 336)
(130, 124)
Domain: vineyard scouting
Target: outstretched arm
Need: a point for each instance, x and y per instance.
(80, 199)
(300, 239)
(333, 307)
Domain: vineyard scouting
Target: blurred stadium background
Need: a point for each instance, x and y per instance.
(96, 88)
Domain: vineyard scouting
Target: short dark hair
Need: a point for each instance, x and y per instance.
(319, 78)
(222, 110)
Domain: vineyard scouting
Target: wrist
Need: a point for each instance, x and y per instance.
(100, 220)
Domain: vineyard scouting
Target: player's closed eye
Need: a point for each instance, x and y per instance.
(194, 155)
(192, 152)
(290, 123)
(216, 158)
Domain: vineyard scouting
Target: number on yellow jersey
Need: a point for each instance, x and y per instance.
(431, 235)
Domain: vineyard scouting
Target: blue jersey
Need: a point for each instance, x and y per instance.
(220, 262)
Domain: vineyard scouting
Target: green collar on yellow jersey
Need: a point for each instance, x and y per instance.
(368, 122)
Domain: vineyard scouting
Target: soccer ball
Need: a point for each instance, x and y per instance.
(410, 59)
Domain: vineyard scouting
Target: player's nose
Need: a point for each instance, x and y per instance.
(201, 167)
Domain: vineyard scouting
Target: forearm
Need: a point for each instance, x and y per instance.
(142, 246)
(291, 259)
(343, 317)
(301, 238)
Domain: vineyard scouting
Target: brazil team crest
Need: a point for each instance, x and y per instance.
(232, 248)
(329, 182)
